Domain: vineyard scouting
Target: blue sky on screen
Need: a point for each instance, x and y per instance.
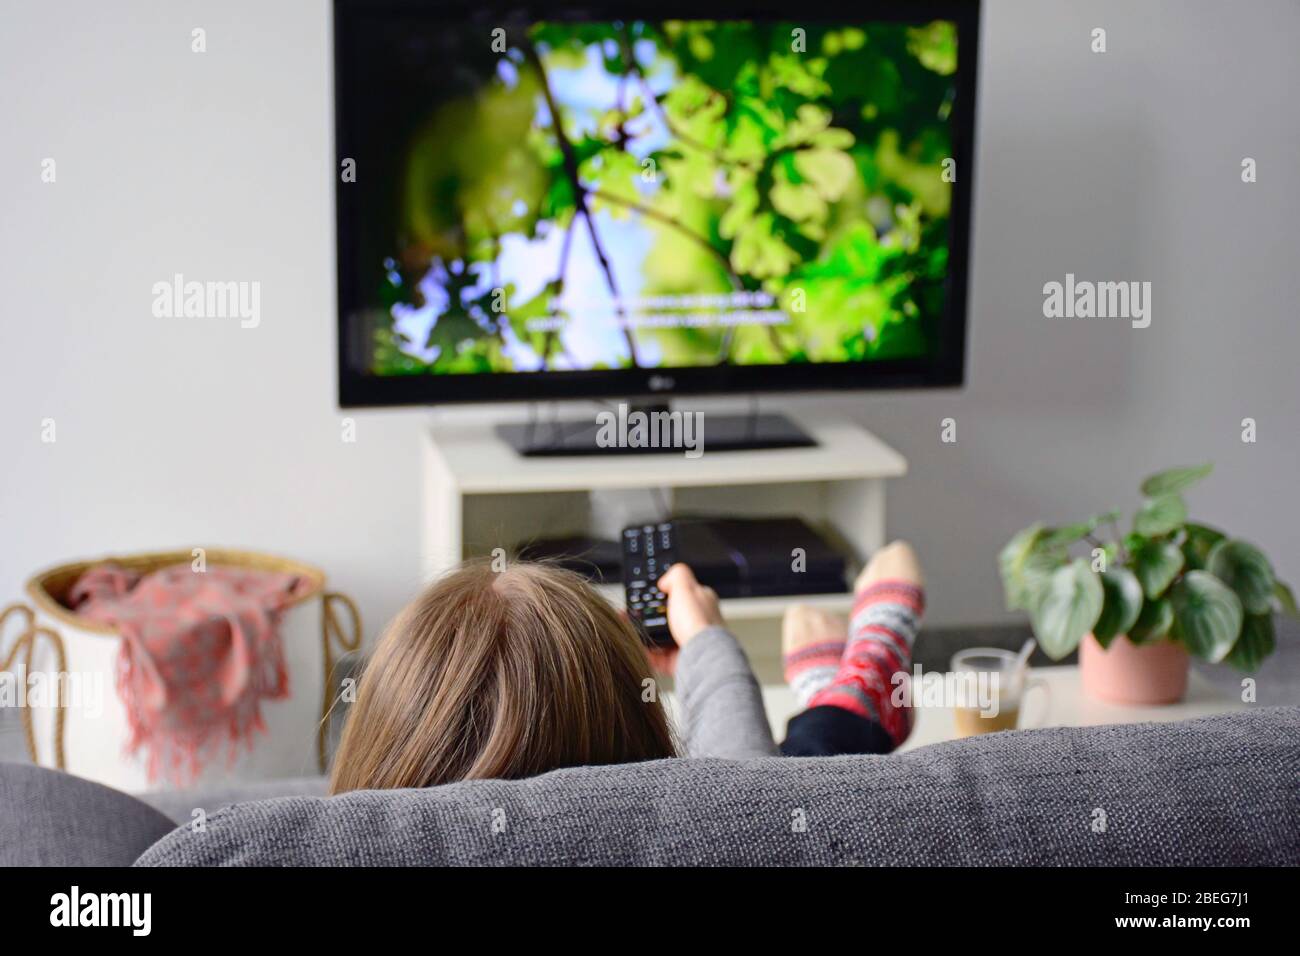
(591, 334)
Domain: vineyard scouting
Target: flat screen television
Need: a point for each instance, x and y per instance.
(650, 199)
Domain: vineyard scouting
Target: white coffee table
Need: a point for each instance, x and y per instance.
(1069, 707)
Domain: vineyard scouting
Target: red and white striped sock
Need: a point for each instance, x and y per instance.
(886, 618)
(811, 668)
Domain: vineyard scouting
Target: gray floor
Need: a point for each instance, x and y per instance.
(1277, 683)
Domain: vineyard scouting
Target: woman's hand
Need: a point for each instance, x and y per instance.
(692, 607)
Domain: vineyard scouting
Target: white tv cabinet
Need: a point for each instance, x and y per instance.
(480, 495)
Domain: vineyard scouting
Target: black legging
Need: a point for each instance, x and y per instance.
(829, 731)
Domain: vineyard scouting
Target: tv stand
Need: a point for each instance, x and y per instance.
(479, 496)
(714, 432)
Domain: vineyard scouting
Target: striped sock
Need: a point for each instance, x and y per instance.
(811, 668)
(885, 620)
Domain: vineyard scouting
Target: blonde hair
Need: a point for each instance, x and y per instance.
(500, 675)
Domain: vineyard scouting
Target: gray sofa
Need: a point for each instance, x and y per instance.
(1221, 790)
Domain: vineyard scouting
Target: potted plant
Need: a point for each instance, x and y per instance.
(1138, 604)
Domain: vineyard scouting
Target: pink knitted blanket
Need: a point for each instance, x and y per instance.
(200, 652)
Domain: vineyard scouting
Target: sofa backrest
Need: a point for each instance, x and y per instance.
(1219, 790)
(180, 805)
(48, 818)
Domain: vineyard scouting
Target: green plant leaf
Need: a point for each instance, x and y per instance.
(1285, 598)
(1070, 533)
(1174, 481)
(1153, 623)
(1162, 515)
(1245, 569)
(1110, 554)
(1011, 561)
(1122, 605)
(1198, 541)
(1207, 615)
(1156, 564)
(1255, 644)
(1067, 608)
(1026, 563)
(1133, 542)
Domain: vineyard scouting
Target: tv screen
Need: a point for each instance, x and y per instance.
(545, 205)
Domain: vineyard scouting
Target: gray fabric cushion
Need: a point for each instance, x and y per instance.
(48, 818)
(181, 804)
(1218, 790)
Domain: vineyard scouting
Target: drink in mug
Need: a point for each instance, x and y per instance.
(994, 692)
(972, 720)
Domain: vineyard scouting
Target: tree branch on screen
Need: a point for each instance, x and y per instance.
(580, 195)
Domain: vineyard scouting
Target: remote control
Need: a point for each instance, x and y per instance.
(648, 551)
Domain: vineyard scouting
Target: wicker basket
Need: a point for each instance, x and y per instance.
(89, 740)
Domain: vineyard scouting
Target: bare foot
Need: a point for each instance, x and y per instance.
(896, 561)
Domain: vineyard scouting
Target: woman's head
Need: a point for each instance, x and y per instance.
(498, 675)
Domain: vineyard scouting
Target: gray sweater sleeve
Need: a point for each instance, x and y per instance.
(721, 707)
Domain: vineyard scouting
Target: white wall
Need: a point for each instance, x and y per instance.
(182, 432)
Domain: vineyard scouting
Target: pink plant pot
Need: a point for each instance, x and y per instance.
(1128, 673)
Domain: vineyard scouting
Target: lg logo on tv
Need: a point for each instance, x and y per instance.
(662, 383)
